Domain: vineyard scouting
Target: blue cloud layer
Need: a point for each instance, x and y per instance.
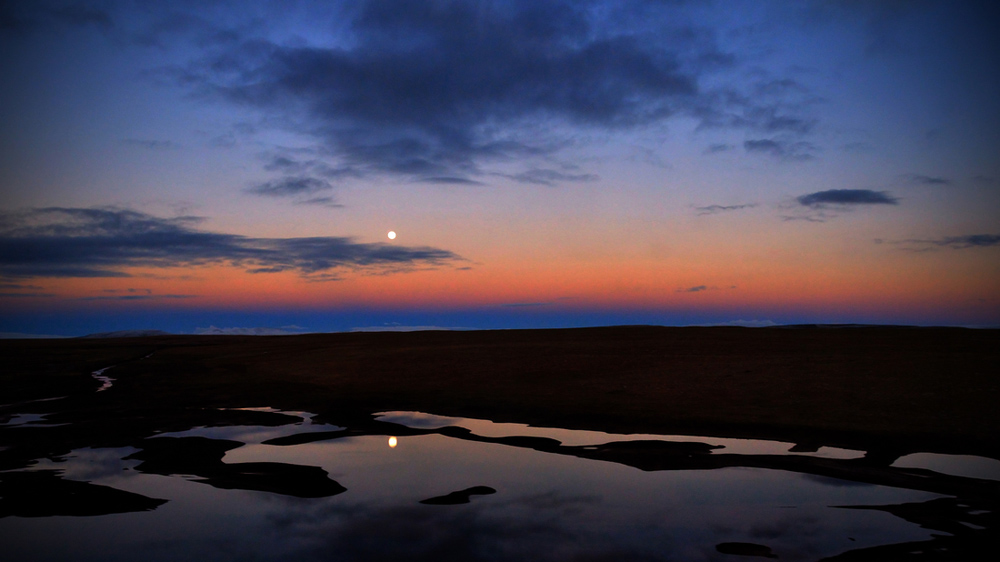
(105, 242)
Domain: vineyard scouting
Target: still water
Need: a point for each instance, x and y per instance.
(414, 486)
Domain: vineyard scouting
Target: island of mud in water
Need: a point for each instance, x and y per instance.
(500, 444)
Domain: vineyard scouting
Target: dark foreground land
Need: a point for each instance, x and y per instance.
(886, 390)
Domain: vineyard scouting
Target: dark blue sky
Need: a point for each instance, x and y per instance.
(183, 164)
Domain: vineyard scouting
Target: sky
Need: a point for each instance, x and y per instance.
(193, 165)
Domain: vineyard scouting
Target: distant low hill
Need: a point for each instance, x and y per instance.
(128, 334)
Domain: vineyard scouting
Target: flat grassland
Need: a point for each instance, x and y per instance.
(891, 389)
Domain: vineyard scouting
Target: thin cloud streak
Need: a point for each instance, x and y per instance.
(927, 180)
(290, 186)
(702, 288)
(781, 149)
(716, 209)
(136, 297)
(954, 242)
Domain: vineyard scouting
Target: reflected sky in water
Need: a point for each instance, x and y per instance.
(252, 434)
(488, 428)
(957, 465)
(547, 506)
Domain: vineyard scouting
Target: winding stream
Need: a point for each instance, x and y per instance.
(106, 381)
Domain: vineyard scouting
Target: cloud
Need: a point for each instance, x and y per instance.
(767, 105)
(763, 119)
(781, 149)
(151, 144)
(106, 242)
(293, 167)
(453, 180)
(136, 297)
(541, 176)
(927, 180)
(955, 242)
(702, 288)
(697, 289)
(846, 197)
(857, 146)
(329, 202)
(716, 209)
(290, 186)
(717, 148)
(19, 286)
(648, 156)
(433, 90)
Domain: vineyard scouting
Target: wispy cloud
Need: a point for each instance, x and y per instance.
(6, 286)
(717, 148)
(290, 186)
(953, 242)
(151, 144)
(543, 176)
(919, 179)
(716, 209)
(328, 202)
(781, 149)
(452, 180)
(106, 242)
(136, 297)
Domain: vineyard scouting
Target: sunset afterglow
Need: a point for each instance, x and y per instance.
(546, 164)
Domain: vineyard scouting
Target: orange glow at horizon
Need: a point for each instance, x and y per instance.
(634, 284)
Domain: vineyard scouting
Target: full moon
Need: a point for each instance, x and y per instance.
(392, 235)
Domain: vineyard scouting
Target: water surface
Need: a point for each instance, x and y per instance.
(415, 486)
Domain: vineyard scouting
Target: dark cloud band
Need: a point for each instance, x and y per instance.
(74, 242)
(846, 197)
(437, 89)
